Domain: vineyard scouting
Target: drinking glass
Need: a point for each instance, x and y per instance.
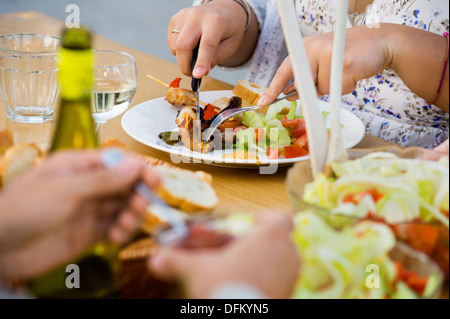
(115, 83)
(28, 76)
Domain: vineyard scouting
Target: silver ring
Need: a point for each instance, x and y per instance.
(175, 31)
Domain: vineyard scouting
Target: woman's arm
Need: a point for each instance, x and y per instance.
(248, 44)
(418, 58)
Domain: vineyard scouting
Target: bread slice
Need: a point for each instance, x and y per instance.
(249, 92)
(186, 190)
(221, 103)
(155, 219)
(17, 161)
(6, 141)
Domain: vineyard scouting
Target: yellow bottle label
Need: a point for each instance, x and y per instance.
(76, 74)
(76, 127)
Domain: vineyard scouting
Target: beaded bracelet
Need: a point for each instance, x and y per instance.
(443, 72)
(245, 6)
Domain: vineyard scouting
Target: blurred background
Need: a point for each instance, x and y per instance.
(141, 24)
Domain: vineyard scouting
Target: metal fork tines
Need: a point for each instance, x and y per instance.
(222, 117)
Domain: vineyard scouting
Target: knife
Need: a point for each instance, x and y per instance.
(195, 83)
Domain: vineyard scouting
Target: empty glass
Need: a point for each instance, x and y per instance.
(28, 76)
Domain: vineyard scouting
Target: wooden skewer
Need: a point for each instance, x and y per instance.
(167, 85)
(158, 81)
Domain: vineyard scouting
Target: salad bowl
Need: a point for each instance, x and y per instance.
(420, 230)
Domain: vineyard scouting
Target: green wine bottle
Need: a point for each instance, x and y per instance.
(94, 273)
(75, 127)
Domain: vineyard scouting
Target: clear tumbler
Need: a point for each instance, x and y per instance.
(29, 76)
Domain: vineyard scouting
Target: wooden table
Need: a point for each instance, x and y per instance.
(261, 191)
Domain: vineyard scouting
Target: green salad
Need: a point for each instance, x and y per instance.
(340, 264)
(385, 187)
(275, 134)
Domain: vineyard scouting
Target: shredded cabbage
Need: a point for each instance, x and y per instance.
(335, 263)
(410, 189)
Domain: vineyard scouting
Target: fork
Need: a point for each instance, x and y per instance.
(222, 117)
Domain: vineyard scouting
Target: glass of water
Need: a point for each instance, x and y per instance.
(29, 76)
(115, 83)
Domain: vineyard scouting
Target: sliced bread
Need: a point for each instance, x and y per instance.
(186, 190)
(16, 161)
(155, 219)
(249, 92)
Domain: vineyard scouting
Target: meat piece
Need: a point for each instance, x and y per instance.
(230, 124)
(186, 117)
(179, 96)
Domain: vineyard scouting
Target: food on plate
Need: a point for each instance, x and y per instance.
(274, 135)
(16, 161)
(242, 155)
(277, 131)
(179, 96)
(185, 121)
(249, 92)
(385, 187)
(339, 264)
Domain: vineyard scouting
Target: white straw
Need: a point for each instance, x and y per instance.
(337, 150)
(315, 125)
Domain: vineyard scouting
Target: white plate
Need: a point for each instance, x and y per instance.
(146, 121)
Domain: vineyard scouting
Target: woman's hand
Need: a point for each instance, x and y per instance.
(366, 54)
(266, 259)
(220, 26)
(64, 206)
(415, 55)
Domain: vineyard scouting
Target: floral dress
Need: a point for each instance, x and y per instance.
(384, 103)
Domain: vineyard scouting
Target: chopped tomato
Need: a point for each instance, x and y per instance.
(239, 128)
(412, 279)
(288, 123)
(175, 83)
(356, 197)
(300, 129)
(260, 133)
(421, 237)
(294, 151)
(302, 142)
(273, 153)
(210, 111)
(298, 126)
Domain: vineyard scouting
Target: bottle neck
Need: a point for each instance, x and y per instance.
(76, 74)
